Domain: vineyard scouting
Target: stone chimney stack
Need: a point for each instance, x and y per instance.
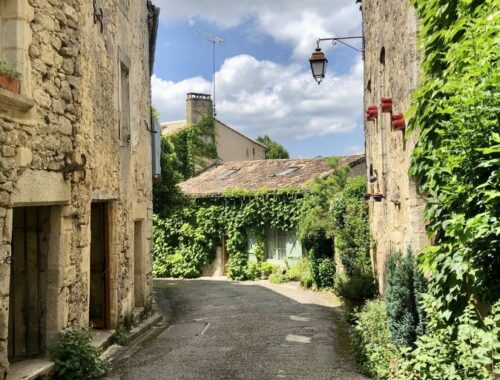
(198, 106)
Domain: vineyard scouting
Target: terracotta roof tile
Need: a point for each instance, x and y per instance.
(261, 174)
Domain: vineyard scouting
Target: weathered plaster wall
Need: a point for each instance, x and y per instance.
(391, 70)
(73, 78)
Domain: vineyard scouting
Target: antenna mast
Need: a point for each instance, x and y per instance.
(215, 41)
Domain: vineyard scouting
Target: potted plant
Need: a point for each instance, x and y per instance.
(9, 78)
(398, 122)
(387, 105)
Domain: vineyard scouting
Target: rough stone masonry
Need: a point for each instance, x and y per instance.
(75, 169)
(392, 68)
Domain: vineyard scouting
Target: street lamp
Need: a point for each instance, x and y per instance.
(318, 60)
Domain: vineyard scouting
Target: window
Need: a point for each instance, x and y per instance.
(124, 105)
(281, 245)
(15, 32)
(287, 171)
(227, 173)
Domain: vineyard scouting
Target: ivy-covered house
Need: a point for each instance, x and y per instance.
(252, 208)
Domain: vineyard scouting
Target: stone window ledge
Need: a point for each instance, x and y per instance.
(11, 101)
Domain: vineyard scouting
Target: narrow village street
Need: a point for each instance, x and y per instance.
(229, 330)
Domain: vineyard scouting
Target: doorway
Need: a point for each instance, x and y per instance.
(99, 266)
(28, 282)
(138, 265)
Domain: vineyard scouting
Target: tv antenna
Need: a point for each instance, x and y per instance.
(215, 41)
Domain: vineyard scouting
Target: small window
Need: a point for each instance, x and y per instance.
(227, 173)
(287, 171)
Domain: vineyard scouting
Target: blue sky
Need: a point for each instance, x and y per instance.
(264, 85)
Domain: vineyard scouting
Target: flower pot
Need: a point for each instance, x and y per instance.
(367, 196)
(386, 105)
(8, 84)
(377, 197)
(398, 125)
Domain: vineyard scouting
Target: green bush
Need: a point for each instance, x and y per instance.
(356, 288)
(405, 284)
(236, 266)
(375, 352)
(295, 272)
(260, 270)
(323, 270)
(253, 271)
(473, 353)
(121, 335)
(306, 279)
(277, 278)
(267, 269)
(75, 358)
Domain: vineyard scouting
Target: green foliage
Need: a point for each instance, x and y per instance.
(323, 270)
(277, 278)
(335, 209)
(121, 335)
(355, 288)
(259, 270)
(295, 272)
(457, 159)
(274, 149)
(404, 288)
(457, 165)
(237, 266)
(181, 154)
(187, 240)
(374, 350)
(9, 72)
(468, 350)
(75, 358)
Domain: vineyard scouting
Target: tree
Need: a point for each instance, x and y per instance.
(274, 149)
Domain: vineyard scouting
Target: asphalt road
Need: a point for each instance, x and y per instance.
(230, 330)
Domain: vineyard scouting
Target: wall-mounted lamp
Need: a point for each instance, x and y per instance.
(318, 60)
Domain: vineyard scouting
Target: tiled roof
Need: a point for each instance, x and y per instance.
(262, 174)
(171, 127)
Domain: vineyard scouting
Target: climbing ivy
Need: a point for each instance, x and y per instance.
(457, 164)
(186, 241)
(182, 153)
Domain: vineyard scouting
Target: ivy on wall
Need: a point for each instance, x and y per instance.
(182, 153)
(186, 241)
(457, 164)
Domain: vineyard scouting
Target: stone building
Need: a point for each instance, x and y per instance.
(391, 75)
(75, 169)
(231, 144)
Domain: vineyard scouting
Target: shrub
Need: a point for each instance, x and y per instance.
(374, 350)
(323, 270)
(253, 271)
(474, 353)
(296, 272)
(277, 278)
(237, 265)
(120, 336)
(75, 358)
(267, 269)
(307, 280)
(356, 288)
(404, 316)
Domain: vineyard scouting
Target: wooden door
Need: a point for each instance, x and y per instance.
(27, 301)
(99, 266)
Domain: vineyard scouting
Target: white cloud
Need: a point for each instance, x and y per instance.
(263, 97)
(297, 23)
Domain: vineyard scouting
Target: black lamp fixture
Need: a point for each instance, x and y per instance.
(318, 60)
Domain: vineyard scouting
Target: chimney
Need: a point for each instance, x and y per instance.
(198, 106)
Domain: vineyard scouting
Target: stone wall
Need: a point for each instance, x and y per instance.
(391, 70)
(70, 112)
